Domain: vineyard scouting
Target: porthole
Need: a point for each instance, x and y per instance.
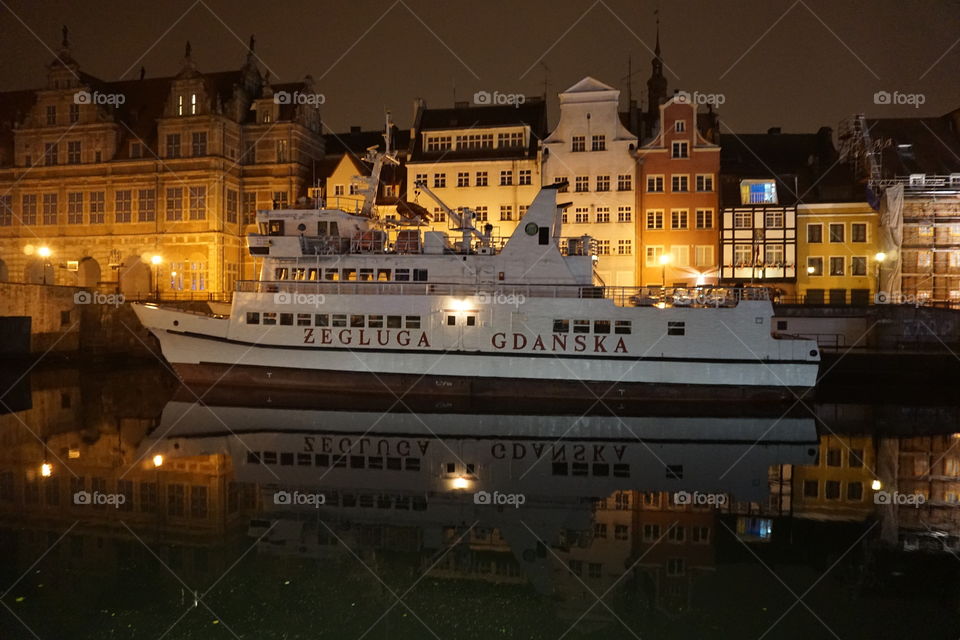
(531, 229)
(813, 353)
(176, 323)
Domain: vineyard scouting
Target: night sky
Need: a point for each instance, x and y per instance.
(798, 64)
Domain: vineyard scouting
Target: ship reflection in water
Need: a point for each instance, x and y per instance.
(293, 516)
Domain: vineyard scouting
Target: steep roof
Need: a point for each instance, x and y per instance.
(917, 145)
(589, 84)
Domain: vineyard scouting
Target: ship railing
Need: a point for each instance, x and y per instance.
(493, 293)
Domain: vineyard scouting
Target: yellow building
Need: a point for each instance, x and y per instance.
(839, 485)
(98, 177)
(837, 251)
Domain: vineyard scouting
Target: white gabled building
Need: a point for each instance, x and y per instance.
(595, 153)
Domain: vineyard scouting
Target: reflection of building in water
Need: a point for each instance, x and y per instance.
(923, 501)
(673, 546)
(838, 485)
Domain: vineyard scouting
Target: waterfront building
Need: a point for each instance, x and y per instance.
(592, 151)
(148, 184)
(838, 485)
(483, 157)
(678, 201)
(339, 175)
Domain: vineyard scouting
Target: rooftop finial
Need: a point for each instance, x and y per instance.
(252, 44)
(65, 43)
(656, 49)
(188, 50)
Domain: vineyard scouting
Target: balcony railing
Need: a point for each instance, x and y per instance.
(516, 294)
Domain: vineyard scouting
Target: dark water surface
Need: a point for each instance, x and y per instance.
(286, 515)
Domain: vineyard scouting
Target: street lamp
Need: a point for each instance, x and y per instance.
(879, 257)
(155, 260)
(44, 252)
(811, 269)
(665, 259)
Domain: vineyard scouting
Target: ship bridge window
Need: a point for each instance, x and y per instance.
(286, 319)
(269, 457)
(321, 320)
(394, 322)
(561, 326)
(676, 328)
(402, 275)
(312, 274)
(419, 275)
(471, 321)
(451, 320)
(281, 273)
(350, 274)
(622, 327)
(366, 275)
(253, 317)
(300, 273)
(339, 320)
(303, 319)
(269, 317)
(275, 228)
(413, 322)
(375, 322)
(383, 275)
(357, 321)
(601, 326)
(581, 326)
(331, 274)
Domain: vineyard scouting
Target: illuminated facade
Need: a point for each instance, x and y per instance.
(99, 177)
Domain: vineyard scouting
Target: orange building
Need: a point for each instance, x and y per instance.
(678, 201)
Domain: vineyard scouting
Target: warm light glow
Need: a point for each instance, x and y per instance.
(157, 460)
(44, 252)
(460, 305)
(73, 454)
(661, 305)
(460, 483)
(156, 260)
(811, 269)
(876, 485)
(880, 256)
(46, 470)
(665, 258)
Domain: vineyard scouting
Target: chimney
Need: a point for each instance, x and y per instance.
(774, 131)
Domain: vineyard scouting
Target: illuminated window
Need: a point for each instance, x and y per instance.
(758, 192)
(680, 149)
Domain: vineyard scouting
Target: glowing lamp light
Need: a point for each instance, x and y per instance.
(876, 485)
(73, 454)
(460, 483)
(810, 270)
(155, 260)
(665, 258)
(46, 469)
(880, 256)
(157, 460)
(44, 252)
(460, 305)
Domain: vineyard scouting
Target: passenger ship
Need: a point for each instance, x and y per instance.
(351, 301)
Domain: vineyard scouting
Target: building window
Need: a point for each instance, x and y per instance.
(51, 114)
(475, 141)
(855, 491)
(354, 189)
(678, 219)
(280, 200)
(680, 149)
(598, 143)
(561, 180)
(836, 232)
(338, 190)
(624, 214)
(463, 179)
(123, 205)
(624, 182)
(680, 126)
(773, 255)
(136, 149)
(439, 180)
(481, 178)
(506, 212)
(773, 219)
(654, 219)
(858, 232)
(924, 259)
(858, 266)
(624, 247)
(655, 184)
(653, 256)
(742, 255)
(603, 247)
(704, 255)
(676, 567)
(621, 531)
(249, 207)
(581, 215)
(49, 208)
(506, 178)
(758, 192)
(73, 152)
(481, 213)
(50, 154)
(603, 214)
(198, 203)
(743, 220)
(146, 205)
(75, 207)
(439, 215)
(579, 143)
(198, 143)
(232, 206)
(811, 489)
(513, 139)
(174, 203)
(836, 266)
(173, 145)
(815, 266)
(74, 113)
(281, 150)
(679, 183)
(831, 489)
(704, 182)
(603, 183)
(704, 218)
(814, 233)
(6, 210)
(439, 143)
(582, 184)
(522, 210)
(526, 177)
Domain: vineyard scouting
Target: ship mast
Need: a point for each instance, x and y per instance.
(376, 159)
